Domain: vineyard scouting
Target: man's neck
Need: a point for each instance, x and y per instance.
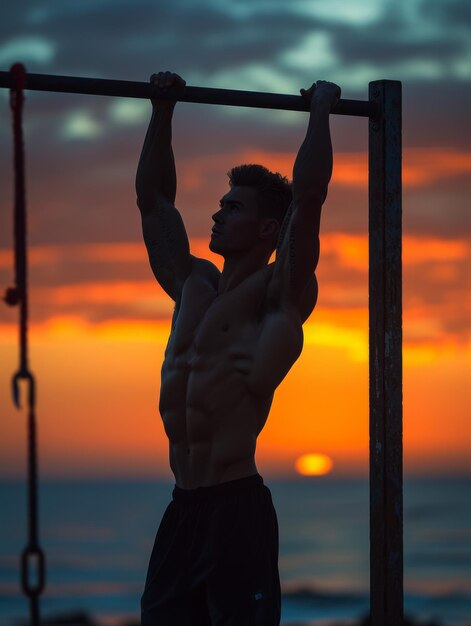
(237, 268)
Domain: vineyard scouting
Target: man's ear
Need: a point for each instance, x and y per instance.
(269, 229)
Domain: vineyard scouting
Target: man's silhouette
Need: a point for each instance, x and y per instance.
(235, 335)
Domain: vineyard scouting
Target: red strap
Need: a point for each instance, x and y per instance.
(18, 74)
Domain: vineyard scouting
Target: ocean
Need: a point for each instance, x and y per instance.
(98, 535)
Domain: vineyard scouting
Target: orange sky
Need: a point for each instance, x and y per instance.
(98, 381)
(100, 323)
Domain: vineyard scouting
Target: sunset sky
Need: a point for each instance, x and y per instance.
(99, 321)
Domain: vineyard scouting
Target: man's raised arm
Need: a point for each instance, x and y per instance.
(156, 184)
(313, 166)
(298, 244)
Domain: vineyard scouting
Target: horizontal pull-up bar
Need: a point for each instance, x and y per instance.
(202, 95)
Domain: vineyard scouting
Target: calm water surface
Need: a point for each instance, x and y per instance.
(98, 537)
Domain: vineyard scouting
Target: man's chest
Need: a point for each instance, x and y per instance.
(216, 340)
(208, 324)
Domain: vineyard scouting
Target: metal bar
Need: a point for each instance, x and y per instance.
(385, 303)
(202, 95)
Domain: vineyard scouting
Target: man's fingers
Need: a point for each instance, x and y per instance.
(307, 93)
(163, 80)
(310, 89)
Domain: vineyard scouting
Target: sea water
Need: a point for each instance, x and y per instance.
(98, 535)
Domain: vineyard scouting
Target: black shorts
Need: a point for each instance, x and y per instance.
(215, 559)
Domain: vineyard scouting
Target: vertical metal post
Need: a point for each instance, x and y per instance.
(385, 306)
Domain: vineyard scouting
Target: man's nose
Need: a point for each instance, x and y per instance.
(217, 216)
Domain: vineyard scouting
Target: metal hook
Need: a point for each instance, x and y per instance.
(23, 375)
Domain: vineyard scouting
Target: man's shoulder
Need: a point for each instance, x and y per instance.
(204, 269)
(280, 297)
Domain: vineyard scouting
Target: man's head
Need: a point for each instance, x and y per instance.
(252, 211)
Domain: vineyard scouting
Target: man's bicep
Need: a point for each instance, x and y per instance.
(298, 253)
(167, 246)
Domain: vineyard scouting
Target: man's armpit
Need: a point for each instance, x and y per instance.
(167, 247)
(284, 227)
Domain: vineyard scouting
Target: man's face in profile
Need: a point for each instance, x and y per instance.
(237, 223)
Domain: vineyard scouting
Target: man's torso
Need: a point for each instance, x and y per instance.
(224, 359)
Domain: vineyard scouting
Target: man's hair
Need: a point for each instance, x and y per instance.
(273, 191)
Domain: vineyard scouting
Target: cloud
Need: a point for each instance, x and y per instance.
(360, 13)
(235, 36)
(398, 40)
(129, 112)
(421, 166)
(317, 46)
(455, 13)
(260, 45)
(100, 283)
(101, 301)
(80, 125)
(393, 45)
(25, 49)
(353, 340)
(40, 256)
(82, 190)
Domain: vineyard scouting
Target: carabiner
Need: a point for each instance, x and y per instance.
(23, 375)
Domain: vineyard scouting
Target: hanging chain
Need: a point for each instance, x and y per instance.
(32, 557)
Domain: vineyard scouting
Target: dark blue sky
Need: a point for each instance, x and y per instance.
(261, 45)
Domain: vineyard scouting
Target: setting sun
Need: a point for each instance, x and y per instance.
(313, 464)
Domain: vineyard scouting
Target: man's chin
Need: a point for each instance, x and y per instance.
(214, 247)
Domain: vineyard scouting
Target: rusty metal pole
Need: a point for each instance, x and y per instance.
(385, 306)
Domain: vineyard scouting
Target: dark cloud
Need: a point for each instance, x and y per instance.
(122, 39)
(456, 13)
(440, 209)
(435, 113)
(83, 189)
(393, 38)
(130, 40)
(385, 48)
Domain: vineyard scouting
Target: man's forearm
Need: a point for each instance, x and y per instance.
(156, 176)
(313, 166)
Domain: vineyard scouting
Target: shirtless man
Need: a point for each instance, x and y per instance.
(235, 335)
